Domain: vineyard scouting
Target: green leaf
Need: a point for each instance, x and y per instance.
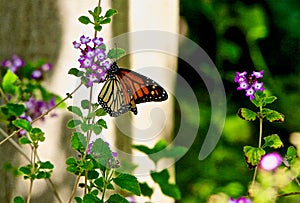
(253, 155)
(143, 148)
(146, 190)
(36, 134)
(105, 21)
(46, 165)
(75, 72)
(97, 129)
(273, 141)
(272, 116)
(291, 154)
(73, 123)
(90, 198)
(97, 10)
(101, 152)
(15, 109)
(84, 19)
(100, 112)
(161, 177)
(76, 110)
(116, 53)
(269, 100)
(8, 82)
(25, 169)
(102, 123)
(78, 199)
(85, 127)
(71, 161)
(21, 123)
(98, 28)
(110, 12)
(116, 198)
(91, 115)
(171, 190)
(24, 140)
(78, 142)
(128, 182)
(19, 199)
(85, 104)
(246, 114)
(93, 175)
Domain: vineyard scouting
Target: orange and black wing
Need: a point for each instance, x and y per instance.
(124, 89)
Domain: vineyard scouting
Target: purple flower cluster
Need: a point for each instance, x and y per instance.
(35, 108)
(249, 82)
(239, 200)
(93, 59)
(37, 74)
(13, 64)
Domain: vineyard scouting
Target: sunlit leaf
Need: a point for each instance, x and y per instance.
(253, 155)
(246, 114)
(273, 141)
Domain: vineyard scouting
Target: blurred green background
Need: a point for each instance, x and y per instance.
(240, 36)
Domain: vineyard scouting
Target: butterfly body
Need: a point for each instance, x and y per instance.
(123, 89)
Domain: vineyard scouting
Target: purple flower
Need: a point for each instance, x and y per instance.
(270, 161)
(36, 74)
(84, 40)
(34, 108)
(239, 200)
(249, 83)
(46, 67)
(14, 64)
(131, 199)
(98, 41)
(76, 45)
(92, 78)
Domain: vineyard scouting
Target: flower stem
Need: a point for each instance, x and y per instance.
(74, 188)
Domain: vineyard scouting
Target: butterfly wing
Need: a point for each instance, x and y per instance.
(142, 88)
(124, 89)
(112, 99)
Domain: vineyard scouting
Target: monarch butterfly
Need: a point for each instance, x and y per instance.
(123, 89)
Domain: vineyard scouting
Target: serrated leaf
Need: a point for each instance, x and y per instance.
(101, 152)
(253, 155)
(273, 141)
(21, 123)
(84, 19)
(102, 123)
(76, 110)
(73, 123)
(272, 116)
(19, 199)
(116, 53)
(24, 140)
(8, 82)
(146, 190)
(128, 182)
(36, 134)
(246, 114)
(116, 198)
(110, 12)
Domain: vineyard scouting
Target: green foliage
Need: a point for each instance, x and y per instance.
(253, 155)
(19, 199)
(9, 83)
(116, 53)
(128, 182)
(40, 170)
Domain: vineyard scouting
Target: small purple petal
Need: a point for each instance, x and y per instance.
(114, 154)
(258, 74)
(243, 86)
(84, 40)
(258, 86)
(76, 45)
